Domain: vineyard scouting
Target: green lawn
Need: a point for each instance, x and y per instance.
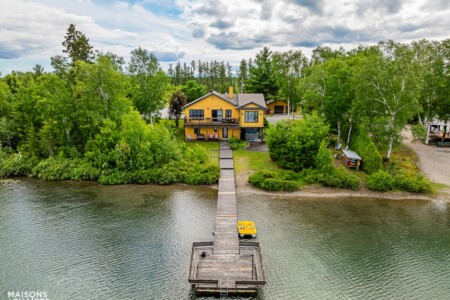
(251, 161)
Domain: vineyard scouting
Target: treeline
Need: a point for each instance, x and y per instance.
(89, 120)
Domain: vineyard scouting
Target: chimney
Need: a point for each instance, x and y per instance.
(230, 92)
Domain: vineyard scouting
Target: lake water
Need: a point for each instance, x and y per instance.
(85, 241)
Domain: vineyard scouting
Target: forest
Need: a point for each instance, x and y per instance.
(96, 117)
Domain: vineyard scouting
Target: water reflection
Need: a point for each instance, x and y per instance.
(83, 241)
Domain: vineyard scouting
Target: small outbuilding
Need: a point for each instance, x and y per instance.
(277, 106)
(351, 159)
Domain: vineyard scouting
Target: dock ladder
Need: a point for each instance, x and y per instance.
(223, 290)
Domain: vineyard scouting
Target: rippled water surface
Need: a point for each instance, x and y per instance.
(85, 241)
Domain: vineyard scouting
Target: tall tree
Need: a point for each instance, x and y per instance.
(177, 102)
(77, 45)
(386, 88)
(149, 83)
(261, 76)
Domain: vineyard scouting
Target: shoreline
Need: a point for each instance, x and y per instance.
(310, 191)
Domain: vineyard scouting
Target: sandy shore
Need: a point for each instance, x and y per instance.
(316, 191)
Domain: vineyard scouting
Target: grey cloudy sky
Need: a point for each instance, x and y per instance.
(32, 31)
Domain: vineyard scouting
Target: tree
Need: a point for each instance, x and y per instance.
(193, 90)
(77, 46)
(386, 88)
(261, 75)
(288, 68)
(177, 102)
(294, 144)
(149, 83)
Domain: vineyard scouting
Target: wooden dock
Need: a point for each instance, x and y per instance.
(227, 265)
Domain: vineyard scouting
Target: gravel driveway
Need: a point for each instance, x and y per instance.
(433, 161)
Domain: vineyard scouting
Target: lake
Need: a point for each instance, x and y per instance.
(79, 240)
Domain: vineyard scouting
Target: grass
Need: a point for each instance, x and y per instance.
(251, 161)
(403, 158)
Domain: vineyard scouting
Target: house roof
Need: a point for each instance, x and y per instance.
(238, 100)
(275, 100)
(251, 102)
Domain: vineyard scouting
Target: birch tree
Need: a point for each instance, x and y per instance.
(387, 88)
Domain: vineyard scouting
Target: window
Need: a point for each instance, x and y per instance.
(228, 114)
(197, 114)
(197, 130)
(251, 117)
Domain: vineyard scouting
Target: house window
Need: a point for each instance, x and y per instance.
(228, 114)
(251, 117)
(196, 114)
(197, 130)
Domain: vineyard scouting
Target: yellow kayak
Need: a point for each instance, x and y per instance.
(246, 228)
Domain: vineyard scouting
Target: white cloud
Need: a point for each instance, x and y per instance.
(212, 29)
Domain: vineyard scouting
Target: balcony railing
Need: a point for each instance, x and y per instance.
(210, 121)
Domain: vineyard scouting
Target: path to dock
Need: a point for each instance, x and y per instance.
(226, 265)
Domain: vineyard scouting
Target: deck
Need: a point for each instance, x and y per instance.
(226, 265)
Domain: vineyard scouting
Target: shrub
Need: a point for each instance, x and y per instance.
(414, 184)
(17, 165)
(380, 181)
(236, 143)
(275, 181)
(115, 177)
(196, 153)
(369, 153)
(335, 178)
(294, 144)
(324, 158)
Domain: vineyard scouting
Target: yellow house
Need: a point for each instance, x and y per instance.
(277, 106)
(218, 116)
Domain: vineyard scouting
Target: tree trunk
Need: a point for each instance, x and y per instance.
(339, 132)
(391, 142)
(176, 121)
(349, 133)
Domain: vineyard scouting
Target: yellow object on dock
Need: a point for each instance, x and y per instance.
(246, 228)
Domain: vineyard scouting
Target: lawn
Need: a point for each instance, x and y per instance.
(251, 161)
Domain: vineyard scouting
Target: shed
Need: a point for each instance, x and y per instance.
(351, 159)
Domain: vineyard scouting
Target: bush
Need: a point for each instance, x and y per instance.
(294, 144)
(55, 168)
(413, 184)
(366, 148)
(324, 158)
(275, 181)
(196, 153)
(380, 181)
(236, 144)
(335, 178)
(17, 165)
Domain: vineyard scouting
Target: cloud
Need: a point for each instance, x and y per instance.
(238, 25)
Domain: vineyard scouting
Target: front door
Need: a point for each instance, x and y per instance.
(217, 115)
(225, 133)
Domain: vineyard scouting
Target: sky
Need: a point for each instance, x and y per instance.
(230, 30)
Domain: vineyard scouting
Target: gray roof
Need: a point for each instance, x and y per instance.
(237, 100)
(243, 99)
(352, 154)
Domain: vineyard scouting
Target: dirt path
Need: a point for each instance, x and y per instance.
(433, 161)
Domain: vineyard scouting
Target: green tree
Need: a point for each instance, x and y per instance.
(77, 45)
(149, 83)
(294, 144)
(387, 88)
(177, 102)
(288, 69)
(261, 75)
(193, 90)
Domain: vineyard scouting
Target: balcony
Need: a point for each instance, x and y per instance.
(211, 121)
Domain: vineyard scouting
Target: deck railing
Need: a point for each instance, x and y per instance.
(210, 121)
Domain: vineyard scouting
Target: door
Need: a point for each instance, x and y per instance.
(225, 133)
(217, 115)
(279, 109)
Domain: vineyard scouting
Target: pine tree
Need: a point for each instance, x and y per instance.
(77, 45)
